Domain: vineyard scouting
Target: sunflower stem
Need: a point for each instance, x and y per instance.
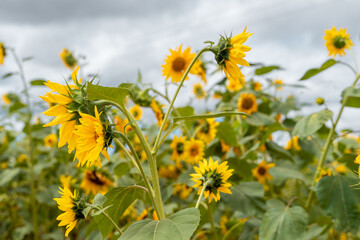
(202, 193)
(157, 141)
(110, 219)
(212, 224)
(326, 148)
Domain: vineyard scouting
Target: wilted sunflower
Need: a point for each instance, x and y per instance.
(2, 53)
(261, 172)
(69, 60)
(178, 146)
(95, 182)
(136, 112)
(6, 99)
(177, 63)
(91, 140)
(208, 130)
(71, 206)
(50, 140)
(336, 41)
(199, 69)
(199, 91)
(217, 173)
(293, 143)
(194, 151)
(247, 103)
(229, 53)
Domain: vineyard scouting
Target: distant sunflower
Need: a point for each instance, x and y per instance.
(66, 181)
(208, 130)
(157, 108)
(91, 140)
(247, 103)
(182, 190)
(278, 83)
(337, 41)
(50, 140)
(261, 172)
(324, 172)
(22, 157)
(177, 63)
(194, 151)
(199, 69)
(122, 125)
(6, 99)
(136, 112)
(218, 174)
(257, 86)
(357, 161)
(2, 53)
(293, 143)
(234, 86)
(68, 203)
(95, 182)
(199, 91)
(178, 146)
(170, 171)
(68, 59)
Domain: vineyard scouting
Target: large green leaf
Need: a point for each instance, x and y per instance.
(339, 199)
(114, 94)
(247, 197)
(178, 226)
(308, 125)
(284, 223)
(259, 119)
(210, 115)
(312, 72)
(352, 95)
(120, 198)
(267, 69)
(8, 175)
(185, 111)
(226, 133)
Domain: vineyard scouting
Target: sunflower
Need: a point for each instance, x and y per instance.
(336, 41)
(199, 91)
(208, 130)
(2, 53)
(234, 86)
(22, 157)
(67, 181)
(122, 125)
(69, 60)
(293, 143)
(199, 69)
(50, 140)
(229, 53)
(177, 63)
(170, 171)
(136, 112)
(261, 172)
(357, 161)
(215, 175)
(70, 204)
(91, 140)
(324, 172)
(278, 83)
(217, 95)
(157, 108)
(257, 86)
(6, 99)
(224, 146)
(182, 190)
(194, 151)
(178, 146)
(95, 182)
(247, 103)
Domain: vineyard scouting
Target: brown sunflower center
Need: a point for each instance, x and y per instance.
(261, 171)
(247, 103)
(194, 151)
(339, 42)
(95, 178)
(178, 64)
(180, 148)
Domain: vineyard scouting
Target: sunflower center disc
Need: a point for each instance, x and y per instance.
(178, 64)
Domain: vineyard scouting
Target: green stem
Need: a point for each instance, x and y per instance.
(327, 146)
(31, 151)
(110, 220)
(211, 218)
(202, 193)
(176, 93)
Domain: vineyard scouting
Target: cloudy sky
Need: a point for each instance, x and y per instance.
(120, 37)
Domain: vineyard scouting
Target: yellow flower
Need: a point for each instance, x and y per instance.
(95, 182)
(324, 173)
(199, 91)
(194, 151)
(6, 99)
(182, 190)
(170, 171)
(257, 86)
(217, 174)
(320, 101)
(293, 143)
(278, 83)
(208, 130)
(50, 140)
(177, 63)
(199, 69)
(121, 123)
(340, 168)
(261, 172)
(178, 146)
(66, 181)
(357, 161)
(247, 103)
(217, 95)
(230, 52)
(2, 53)
(21, 158)
(336, 41)
(136, 112)
(68, 59)
(3, 165)
(157, 108)
(234, 86)
(72, 211)
(91, 140)
(224, 147)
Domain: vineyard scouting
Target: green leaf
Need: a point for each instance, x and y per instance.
(352, 95)
(338, 198)
(178, 226)
(114, 94)
(120, 198)
(38, 82)
(312, 72)
(7, 75)
(210, 115)
(308, 125)
(8, 175)
(99, 199)
(226, 133)
(283, 224)
(251, 197)
(276, 149)
(185, 111)
(259, 119)
(267, 69)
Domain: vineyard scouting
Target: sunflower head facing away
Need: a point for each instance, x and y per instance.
(72, 206)
(6, 99)
(194, 151)
(208, 130)
(178, 146)
(2, 53)
(247, 103)
(261, 172)
(68, 59)
(177, 63)
(157, 108)
(216, 175)
(199, 91)
(95, 182)
(336, 41)
(136, 112)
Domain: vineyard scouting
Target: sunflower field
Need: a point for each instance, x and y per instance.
(133, 162)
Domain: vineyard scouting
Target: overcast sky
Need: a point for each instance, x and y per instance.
(120, 37)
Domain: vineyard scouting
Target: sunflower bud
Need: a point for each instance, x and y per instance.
(320, 101)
